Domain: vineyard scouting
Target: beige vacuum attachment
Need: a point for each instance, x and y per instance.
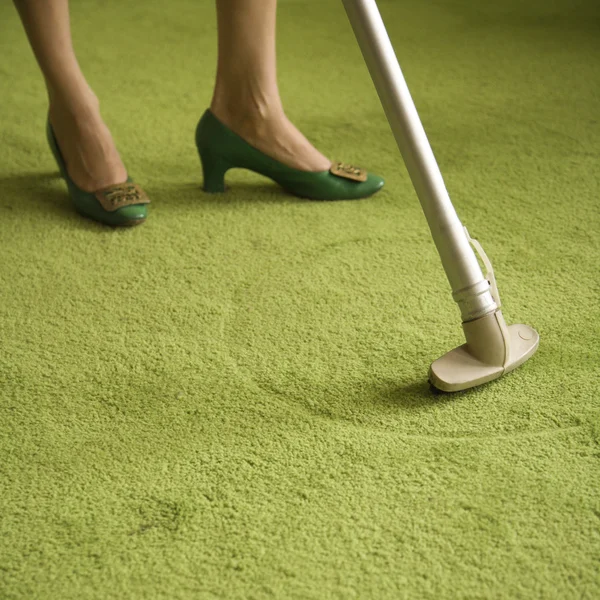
(492, 348)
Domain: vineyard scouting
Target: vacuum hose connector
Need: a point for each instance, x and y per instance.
(481, 298)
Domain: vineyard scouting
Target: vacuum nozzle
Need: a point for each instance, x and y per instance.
(492, 349)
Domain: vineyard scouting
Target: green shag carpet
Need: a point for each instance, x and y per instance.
(231, 400)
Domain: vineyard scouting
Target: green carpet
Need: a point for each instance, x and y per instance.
(230, 401)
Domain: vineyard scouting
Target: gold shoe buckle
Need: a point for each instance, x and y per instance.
(117, 196)
(348, 171)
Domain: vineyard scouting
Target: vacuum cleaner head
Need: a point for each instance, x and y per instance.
(492, 349)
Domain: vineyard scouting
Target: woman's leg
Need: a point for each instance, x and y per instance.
(85, 142)
(246, 97)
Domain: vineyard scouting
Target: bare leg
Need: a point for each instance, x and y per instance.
(85, 142)
(246, 97)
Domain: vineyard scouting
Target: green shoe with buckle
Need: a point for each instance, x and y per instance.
(221, 149)
(123, 204)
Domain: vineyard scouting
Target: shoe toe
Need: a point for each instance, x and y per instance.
(375, 182)
(133, 214)
(369, 187)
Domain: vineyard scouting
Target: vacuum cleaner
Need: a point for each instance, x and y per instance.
(492, 347)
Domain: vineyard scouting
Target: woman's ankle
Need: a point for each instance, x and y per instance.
(250, 117)
(267, 128)
(78, 104)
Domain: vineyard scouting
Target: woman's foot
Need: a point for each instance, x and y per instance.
(86, 144)
(271, 132)
(89, 162)
(220, 149)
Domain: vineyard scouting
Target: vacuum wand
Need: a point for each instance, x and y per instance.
(490, 350)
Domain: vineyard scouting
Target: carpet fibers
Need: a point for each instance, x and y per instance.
(230, 401)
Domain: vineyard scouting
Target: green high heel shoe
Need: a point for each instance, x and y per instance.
(123, 204)
(221, 149)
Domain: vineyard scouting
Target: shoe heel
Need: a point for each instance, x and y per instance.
(55, 150)
(213, 170)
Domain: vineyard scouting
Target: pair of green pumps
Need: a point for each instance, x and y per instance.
(220, 149)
